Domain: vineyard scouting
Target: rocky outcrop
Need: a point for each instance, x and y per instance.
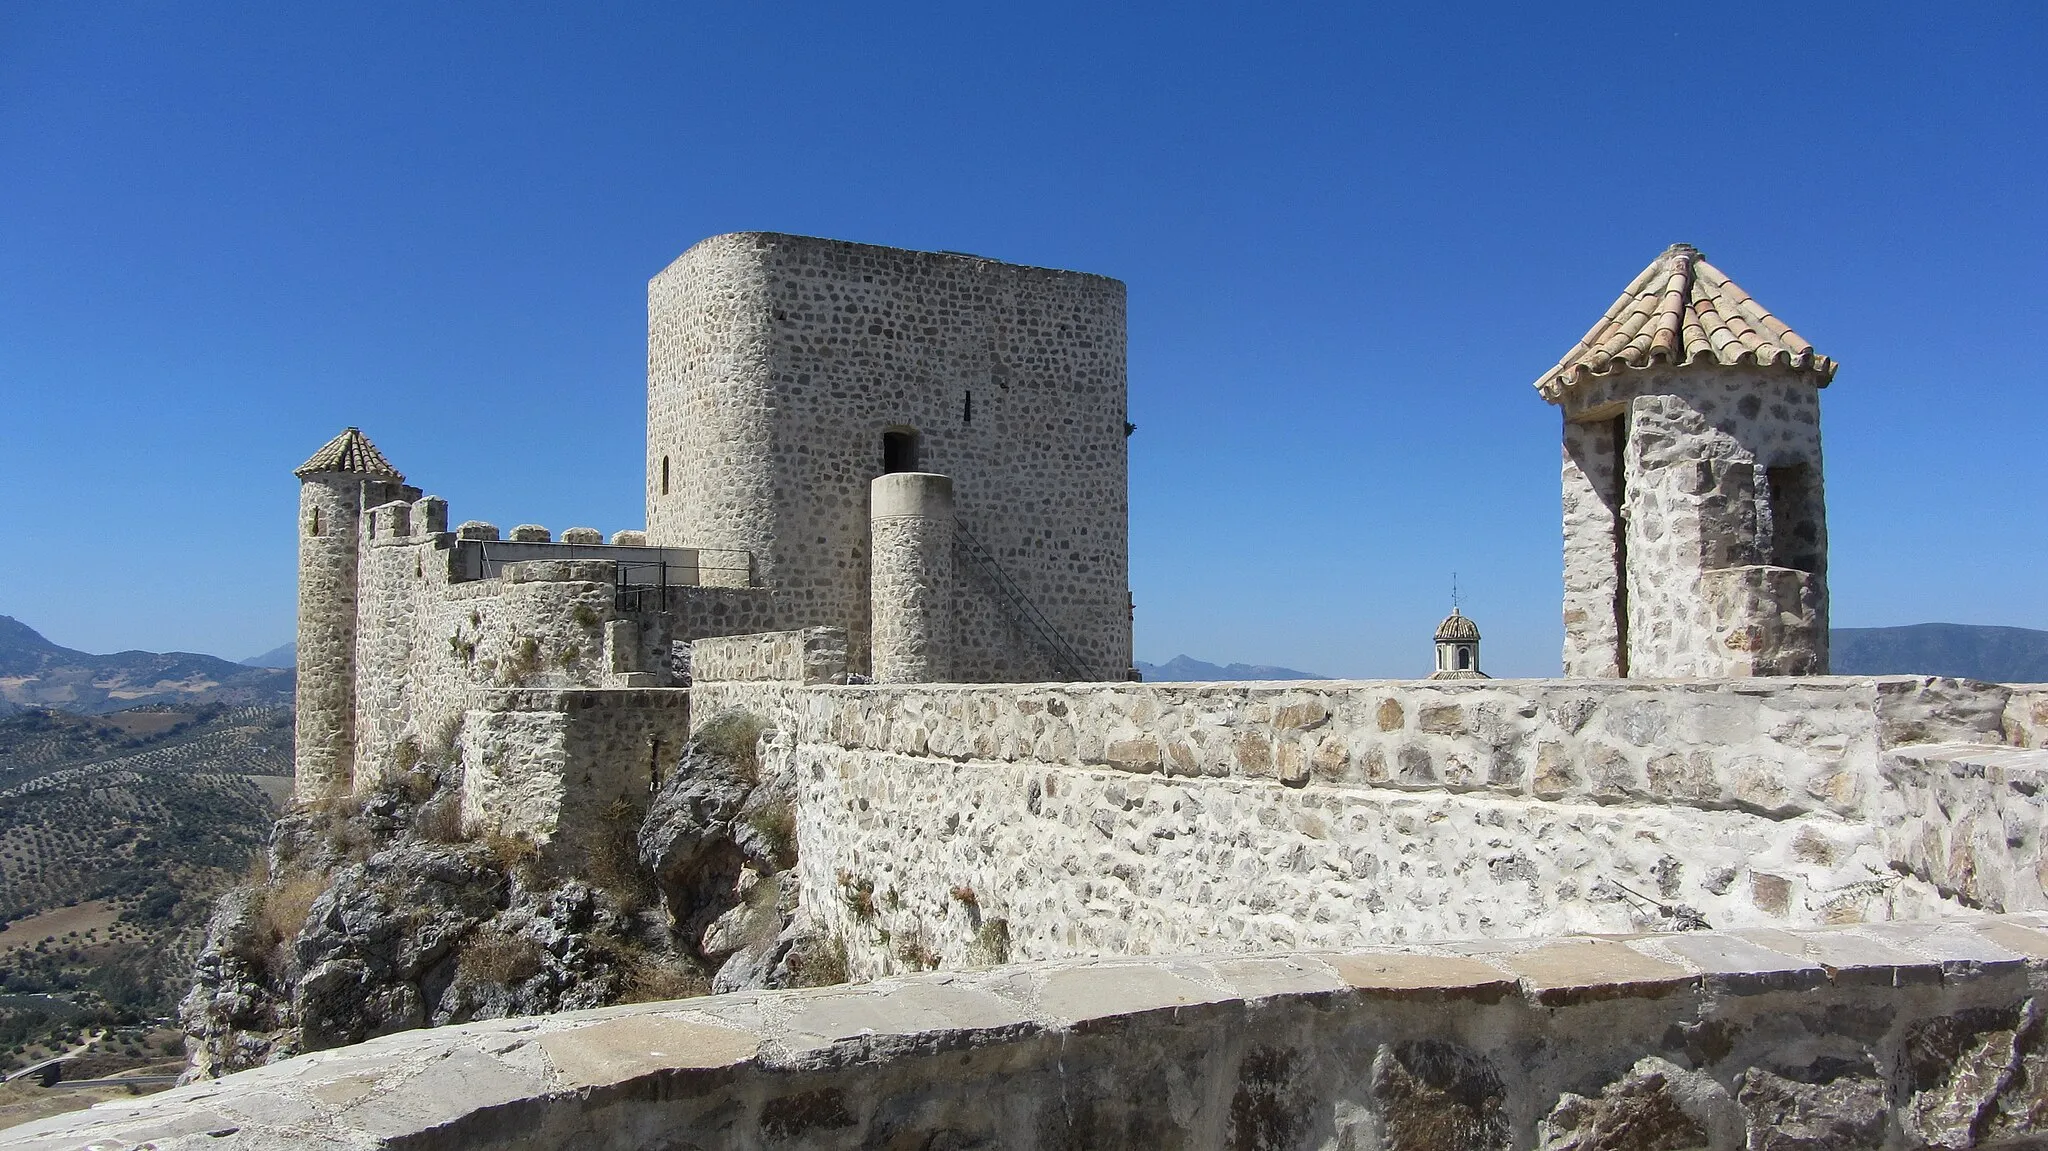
(378, 916)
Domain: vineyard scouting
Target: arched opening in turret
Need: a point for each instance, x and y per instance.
(313, 524)
(664, 475)
(1464, 659)
(899, 450)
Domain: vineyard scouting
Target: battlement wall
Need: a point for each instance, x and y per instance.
(1093, 819)
(1911, 1035)
(444, 618)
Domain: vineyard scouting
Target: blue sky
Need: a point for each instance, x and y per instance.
(1352, 239)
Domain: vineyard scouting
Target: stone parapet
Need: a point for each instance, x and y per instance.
(1972, 821)
(1088, 819)
(815, 655)
(1926, 1034)
(1781, 747)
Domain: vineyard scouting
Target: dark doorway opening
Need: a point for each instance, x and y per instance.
(899, 450)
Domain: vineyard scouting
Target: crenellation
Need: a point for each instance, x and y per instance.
(430, 516)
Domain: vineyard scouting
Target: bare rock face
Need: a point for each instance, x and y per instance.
(1657, 1106)
(1833, 1108)
(1434, 1094)
(379, 916)
(720, 841)
(1979, 1079)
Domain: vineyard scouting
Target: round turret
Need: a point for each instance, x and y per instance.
(345, 476)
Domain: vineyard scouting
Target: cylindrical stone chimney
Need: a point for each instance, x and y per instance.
(911, 582)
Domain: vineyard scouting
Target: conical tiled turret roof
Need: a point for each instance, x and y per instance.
(1683, 310)
(350, 453)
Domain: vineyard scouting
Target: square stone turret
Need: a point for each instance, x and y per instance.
(785, 373)
(1695, 530)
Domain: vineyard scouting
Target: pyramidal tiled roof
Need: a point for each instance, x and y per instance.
(1683, 310)
(350, 453)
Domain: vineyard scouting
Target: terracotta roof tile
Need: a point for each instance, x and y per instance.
(1683, 310)
(350, 453)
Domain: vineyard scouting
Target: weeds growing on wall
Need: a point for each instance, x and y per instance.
(818, 965)
(859, 892)
(916, 954)
(522, 663)
(991, 944)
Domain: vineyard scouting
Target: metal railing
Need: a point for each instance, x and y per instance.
(1066, 659)
(635, 582)
(641, 575)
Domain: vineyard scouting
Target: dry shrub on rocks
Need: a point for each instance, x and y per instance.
(735, 737)
(493, 956)
(650, 978)
(614, 856)
(287, 902)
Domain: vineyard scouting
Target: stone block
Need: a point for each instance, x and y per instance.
(1851, 957)
(1140, 755)
(582, 536)
(1580, 971)
(1401, 975)
(531, 534)
(619, 1050)
(1081, 994)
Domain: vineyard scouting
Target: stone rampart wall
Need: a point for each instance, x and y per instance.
(1882, 1036)
(950, 825)
(811, 656)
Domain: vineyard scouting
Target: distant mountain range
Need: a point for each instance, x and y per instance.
(1963, 651)
(37, 673)
(1967, 651)
(1183, 668)
(283, 655)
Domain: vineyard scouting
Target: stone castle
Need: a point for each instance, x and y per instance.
(1695, 892)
